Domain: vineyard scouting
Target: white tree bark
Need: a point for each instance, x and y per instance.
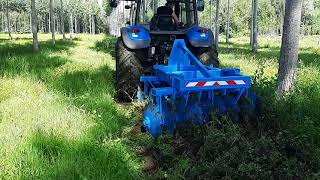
(228, 22)
(34, 25)
(52, 23)
(30, 23)
(42, 25)
(15, 25)
(255, 26)
(75, 25)
(217, 23)
(8, 20)
(289, 47)
(49, 19)
(210, 26)
(71, 26)
(155, 6)
(143, 10)
(282, 17)
(62, 20)
(90, 24)
(2, 19)
(85, 30)
(93, 25)
(2, 22)
(114, 20)
(57, 24)
(251, 29)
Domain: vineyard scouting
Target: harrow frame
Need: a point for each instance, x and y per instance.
(186, 90)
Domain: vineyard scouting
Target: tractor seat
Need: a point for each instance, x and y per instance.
(162, 23)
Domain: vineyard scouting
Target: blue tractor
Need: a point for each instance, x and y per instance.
(173, 65)
(143, 44)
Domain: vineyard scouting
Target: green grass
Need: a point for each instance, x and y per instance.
(58, 118)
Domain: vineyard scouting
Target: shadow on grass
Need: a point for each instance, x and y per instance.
(92, 157)
(93, 91)
(107, 45)
(3, 40)
(17, 59)
(95, 156)
(56, 158)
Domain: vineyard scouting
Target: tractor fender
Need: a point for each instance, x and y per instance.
(200, 37)
(135, 37)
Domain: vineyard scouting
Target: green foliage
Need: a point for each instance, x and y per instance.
(58, 119)
(270, 16)
(283, 143)
(230, 151)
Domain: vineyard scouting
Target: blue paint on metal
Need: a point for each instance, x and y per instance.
(141, 34)
(200, 37)
(194, 33)
(185, 91)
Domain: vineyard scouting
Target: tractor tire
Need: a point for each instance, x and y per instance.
(208, 56)
(128, 71)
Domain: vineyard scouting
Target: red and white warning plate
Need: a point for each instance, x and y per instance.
(215, 83)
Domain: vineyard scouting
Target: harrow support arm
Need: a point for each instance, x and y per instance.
(186, 91)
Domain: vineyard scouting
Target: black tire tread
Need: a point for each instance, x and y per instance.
(128, 71)
(208, 56)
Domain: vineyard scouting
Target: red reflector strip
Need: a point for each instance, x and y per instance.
(231, 82)
(203, 30)
(200, 84)
(134, 30)
(215, 83)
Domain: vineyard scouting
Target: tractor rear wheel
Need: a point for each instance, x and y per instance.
(128, 71)
(208, 56)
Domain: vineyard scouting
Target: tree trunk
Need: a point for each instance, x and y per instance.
(281, 18)
(155, 6)
(2, 23)
(90, 24)
(42, 25)
(217, 23)
(143, 10)
(75, 25)
(255, 26)
(71, 26)
(85, 24)
(289, 47)
(2, 19)
(51, 23)
(30, 23)
(228, 22)
(93, 25)
(15, 25)
(20, 25)
(34, 25)
(62, 20)
(49, 20)
(252, 26)
(8, 20)
(56, 24)
(210, 26)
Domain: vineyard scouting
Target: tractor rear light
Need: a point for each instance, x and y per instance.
(203, 30)
(134, 30)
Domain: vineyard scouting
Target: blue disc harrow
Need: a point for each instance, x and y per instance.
(185, 91)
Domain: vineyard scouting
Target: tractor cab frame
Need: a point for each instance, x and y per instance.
(146, 41)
